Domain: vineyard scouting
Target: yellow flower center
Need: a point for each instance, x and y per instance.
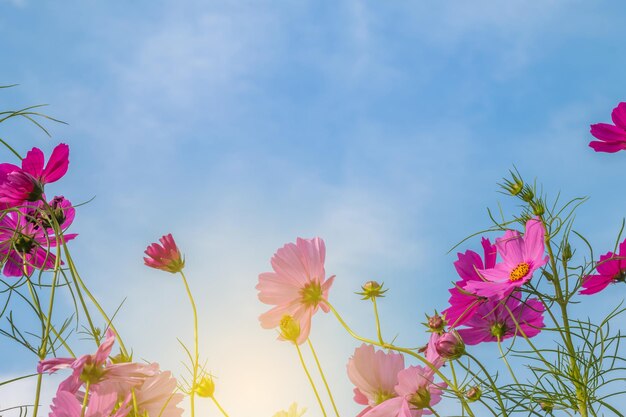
(311, 294)
(519, 272)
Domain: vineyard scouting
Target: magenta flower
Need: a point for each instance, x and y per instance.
(462, 302)
(18, 185)
(375, 375)
(612, 137)
(416, 393)
(521, 257)
(297, 287)
(26, 236)
(611, 269)
(103, 375)
(493, 321)
(165, 256)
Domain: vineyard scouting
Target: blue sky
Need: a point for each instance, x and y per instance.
(382, 127)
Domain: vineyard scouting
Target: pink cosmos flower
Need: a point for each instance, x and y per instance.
(416, 392)
(165, 256)
(462, 303)
(26, 236)
(103, 375)
(612, 137)
(611, 269)
(521, 257)
(492, 320)
(18, 185)
(157, 396)
(297, 287)
(375, 374)
(430, 351)
(66, 404)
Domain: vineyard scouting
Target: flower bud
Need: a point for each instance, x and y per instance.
(567, 252)
(527, 194)
(206, 387)
(436, 323)
(450, 345)
(372, 290)
(513, 186)
(289, 328)
(473, 394)
(546, 406)
(538, 207)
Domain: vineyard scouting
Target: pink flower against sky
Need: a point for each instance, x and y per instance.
(611, 269)
(612, 138)
(164, 256)
(18, 185)
(298, 286)
(103, 375)
(493, 320)
(416, 392)
(375, 375)
(157, 396)
(66, 404)
(521, 257)
(462, 303)
(26, 236)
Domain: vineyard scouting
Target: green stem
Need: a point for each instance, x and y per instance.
(219, 406)
(506, 362)
(85, 400)
(581, 395)
(319, 368)
(195, 344)
(308, 375)
(378, 330)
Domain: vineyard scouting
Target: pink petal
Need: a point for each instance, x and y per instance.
(609, 147)
(619, 115)
(608, 133)
(534, 241)
(33, 162)
(388, 408)
(57, 164)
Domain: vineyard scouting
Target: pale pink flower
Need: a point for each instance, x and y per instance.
(521, 257)
(297, 287)
(416, 393)
(66, 404)
(157, 396)
(18, 185)
(375, 374)
(165, 256)
(103, 375)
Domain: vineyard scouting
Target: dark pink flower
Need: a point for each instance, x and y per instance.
(612, 137)
(611, 269)
(494, 320)
(462, 302)
(375, 375)
(521, 257)
(18, 185)
(165, 256)
(26, 236)
(298, 286)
